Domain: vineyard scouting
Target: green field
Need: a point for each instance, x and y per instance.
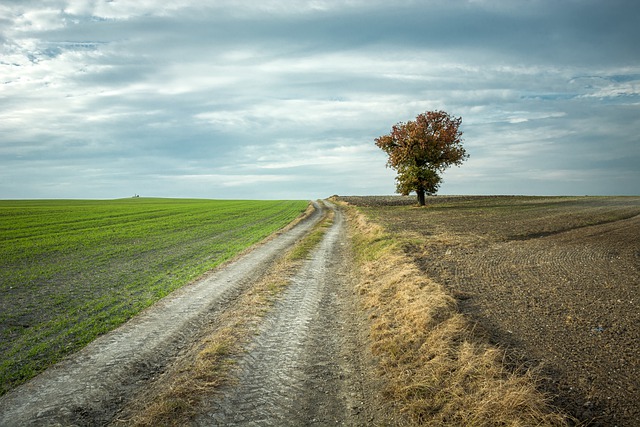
(71, 270)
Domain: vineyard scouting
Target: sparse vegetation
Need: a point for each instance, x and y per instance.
(304, 247)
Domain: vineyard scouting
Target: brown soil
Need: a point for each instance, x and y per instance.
(554, 281)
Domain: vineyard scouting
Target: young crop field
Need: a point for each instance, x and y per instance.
(71, 270)
(552, 280)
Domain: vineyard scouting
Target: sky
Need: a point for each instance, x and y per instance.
(276, 99)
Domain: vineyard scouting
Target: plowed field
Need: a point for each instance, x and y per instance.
(553, 280)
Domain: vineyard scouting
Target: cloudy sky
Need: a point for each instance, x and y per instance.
(283, 98)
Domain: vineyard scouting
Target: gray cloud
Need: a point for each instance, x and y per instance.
(103, 99)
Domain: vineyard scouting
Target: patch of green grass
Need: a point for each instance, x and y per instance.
(303, 248)
(71, 270)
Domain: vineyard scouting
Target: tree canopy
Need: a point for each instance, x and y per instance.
(420, 150)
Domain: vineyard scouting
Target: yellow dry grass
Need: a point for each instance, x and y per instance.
(436, 370)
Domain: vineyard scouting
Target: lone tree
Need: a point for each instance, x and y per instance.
(421, 150)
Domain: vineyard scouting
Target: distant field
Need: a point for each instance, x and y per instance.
(71, 270)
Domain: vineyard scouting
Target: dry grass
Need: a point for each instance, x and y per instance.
(173, 399)
(437, 371)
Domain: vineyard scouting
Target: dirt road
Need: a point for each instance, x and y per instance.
(304, 367)
(300, 368)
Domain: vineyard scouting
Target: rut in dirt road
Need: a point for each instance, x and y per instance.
(302, 368)
(90, 387)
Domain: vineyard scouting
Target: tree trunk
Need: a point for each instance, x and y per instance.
(421, 198)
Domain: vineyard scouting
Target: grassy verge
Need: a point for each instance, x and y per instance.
(71, 270)
(174, 398)
(305, 246)
(436, 370)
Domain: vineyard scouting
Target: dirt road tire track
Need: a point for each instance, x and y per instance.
(90, 386)
(305, 366)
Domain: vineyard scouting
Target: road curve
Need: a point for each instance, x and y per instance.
(90, 386)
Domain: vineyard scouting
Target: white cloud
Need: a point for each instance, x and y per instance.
(226, 180)
(37, 20)
(607, 87)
